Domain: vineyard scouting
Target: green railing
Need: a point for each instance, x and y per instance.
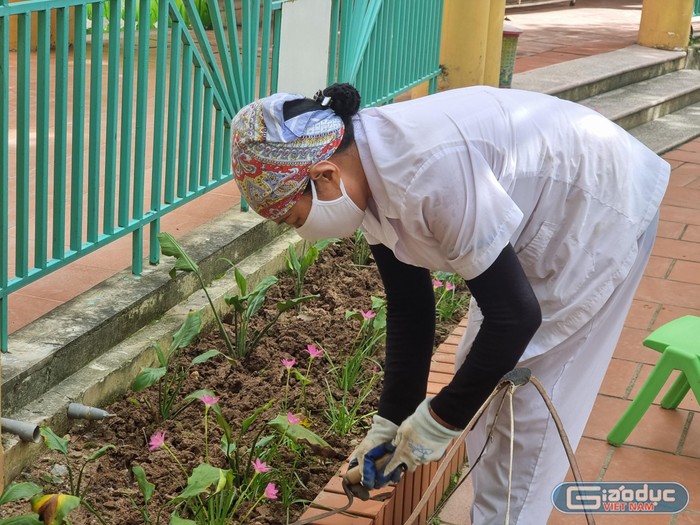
(103, 133)
(385, 47)
(92, 147)
(696, 8)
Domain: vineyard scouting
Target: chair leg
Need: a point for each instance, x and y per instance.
(645, 397)
(676, 393)
(693, 376)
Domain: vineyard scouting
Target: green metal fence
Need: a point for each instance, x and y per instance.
(385, 47)
(79, 164)
(696, 8)
(104, 132)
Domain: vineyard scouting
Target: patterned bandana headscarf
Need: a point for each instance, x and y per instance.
(271, 158)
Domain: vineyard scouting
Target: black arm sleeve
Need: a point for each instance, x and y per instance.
(410, 334)
(511, 317)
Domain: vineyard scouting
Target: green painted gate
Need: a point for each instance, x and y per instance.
(78, 165)
(385, 47)
(115, 112)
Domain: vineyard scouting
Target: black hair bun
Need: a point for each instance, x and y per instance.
(345, 99)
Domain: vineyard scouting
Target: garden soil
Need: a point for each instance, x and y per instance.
(242, 387)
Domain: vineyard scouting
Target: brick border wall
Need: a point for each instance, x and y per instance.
(405, 496)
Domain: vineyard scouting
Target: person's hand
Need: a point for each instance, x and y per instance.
(420, 439)
(376, 444)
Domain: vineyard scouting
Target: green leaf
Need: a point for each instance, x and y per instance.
(298, 433)
(147, 377)
(154, 13)
(188, 331)
(300, 377)
(53, 441)
(377, 302)
(18, 491)
(206, 356)
(177, 520)
(101, 452)
(251, 419)
(241, 281)
(283, 306)
(325, 243)
(169, 246)
(223, 424)
(237, 302)
(198, 394)
(27, 519)
(202, 477)
(292, 259)
(147, 488)
(228, 447)
(310, 257)
(354, 314)
(257, 296)
(161, 356)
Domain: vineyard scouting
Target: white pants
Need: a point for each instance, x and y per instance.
(572, 373)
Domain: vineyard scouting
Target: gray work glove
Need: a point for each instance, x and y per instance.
(420, 439)
(377, 442)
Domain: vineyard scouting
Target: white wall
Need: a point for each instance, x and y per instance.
(304, 36)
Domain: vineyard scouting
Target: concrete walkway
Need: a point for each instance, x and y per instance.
(665, 446)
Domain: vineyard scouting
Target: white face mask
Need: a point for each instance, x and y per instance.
(336, 218)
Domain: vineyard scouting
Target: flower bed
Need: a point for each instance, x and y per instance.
(273, 426)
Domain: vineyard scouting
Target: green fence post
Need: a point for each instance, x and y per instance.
(4, 168)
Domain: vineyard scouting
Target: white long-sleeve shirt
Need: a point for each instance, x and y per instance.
(457, 175)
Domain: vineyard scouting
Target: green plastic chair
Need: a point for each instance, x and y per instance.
(679, 344)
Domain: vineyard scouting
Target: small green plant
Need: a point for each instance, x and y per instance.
(213, 495)
(350, 373)
(147, 490)
(16, 492)
(360, 249)
(289, 485)
(372, 333)
(448, 303)
(57, 443)
(343, 412)
(292, 428)
(169, 246)
(220, 496)
(313, 352)
(246, 305)
(170, 375)
(299, 264)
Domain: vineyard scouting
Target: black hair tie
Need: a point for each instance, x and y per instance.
(323, 99)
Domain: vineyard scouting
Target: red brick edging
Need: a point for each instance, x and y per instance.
(405, 496)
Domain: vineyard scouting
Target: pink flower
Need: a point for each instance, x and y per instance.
(260, 466)
(271, 491)
(313, 351)
(369, 314)
(293, 419)
(449, 286)
(437, 284)
(289, 363)
(209, 400)
(157, 441)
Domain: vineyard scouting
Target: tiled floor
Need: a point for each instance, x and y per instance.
(665, 446)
